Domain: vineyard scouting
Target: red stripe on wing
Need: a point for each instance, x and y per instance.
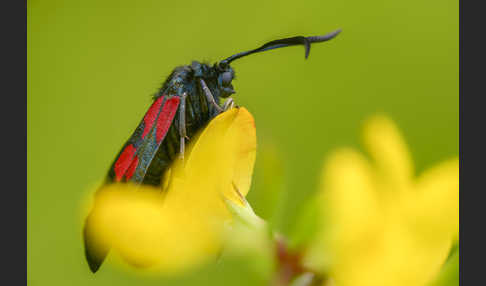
(166, 116)
(124, 161)
(131, 169)
(161, 114)
(151, 115)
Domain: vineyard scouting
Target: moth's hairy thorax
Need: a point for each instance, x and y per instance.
(199, 112)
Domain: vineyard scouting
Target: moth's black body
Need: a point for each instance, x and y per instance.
(195, 92)
(198, 112)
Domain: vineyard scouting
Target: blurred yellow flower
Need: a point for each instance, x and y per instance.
(182, 226)
(383, 226)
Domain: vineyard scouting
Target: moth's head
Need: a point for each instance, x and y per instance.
(226, 74)
(223, 73)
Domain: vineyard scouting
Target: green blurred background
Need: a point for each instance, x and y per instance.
(93, 65)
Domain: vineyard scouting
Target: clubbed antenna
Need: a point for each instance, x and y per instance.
(299, 40)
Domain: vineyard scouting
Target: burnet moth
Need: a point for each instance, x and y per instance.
(187, 101)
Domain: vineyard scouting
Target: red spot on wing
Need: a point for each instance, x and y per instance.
(151, 115)
(132, 168)
(165, 118)
(124, 161)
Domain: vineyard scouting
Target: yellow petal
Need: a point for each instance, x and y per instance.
(182, 226)
(142, 229)
(244, 133)
(354, 222)
(401, 238)
(222, 157)
(389, 151)
(436, 202)
(370, 239)
(350, 200)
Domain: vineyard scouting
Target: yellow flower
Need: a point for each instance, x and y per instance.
(383, 225)
(183, 225)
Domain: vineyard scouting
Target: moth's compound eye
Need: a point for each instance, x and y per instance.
(226, 78)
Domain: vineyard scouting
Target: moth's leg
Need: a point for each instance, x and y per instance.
(228, 104)
(182, 125)
(209, 95)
